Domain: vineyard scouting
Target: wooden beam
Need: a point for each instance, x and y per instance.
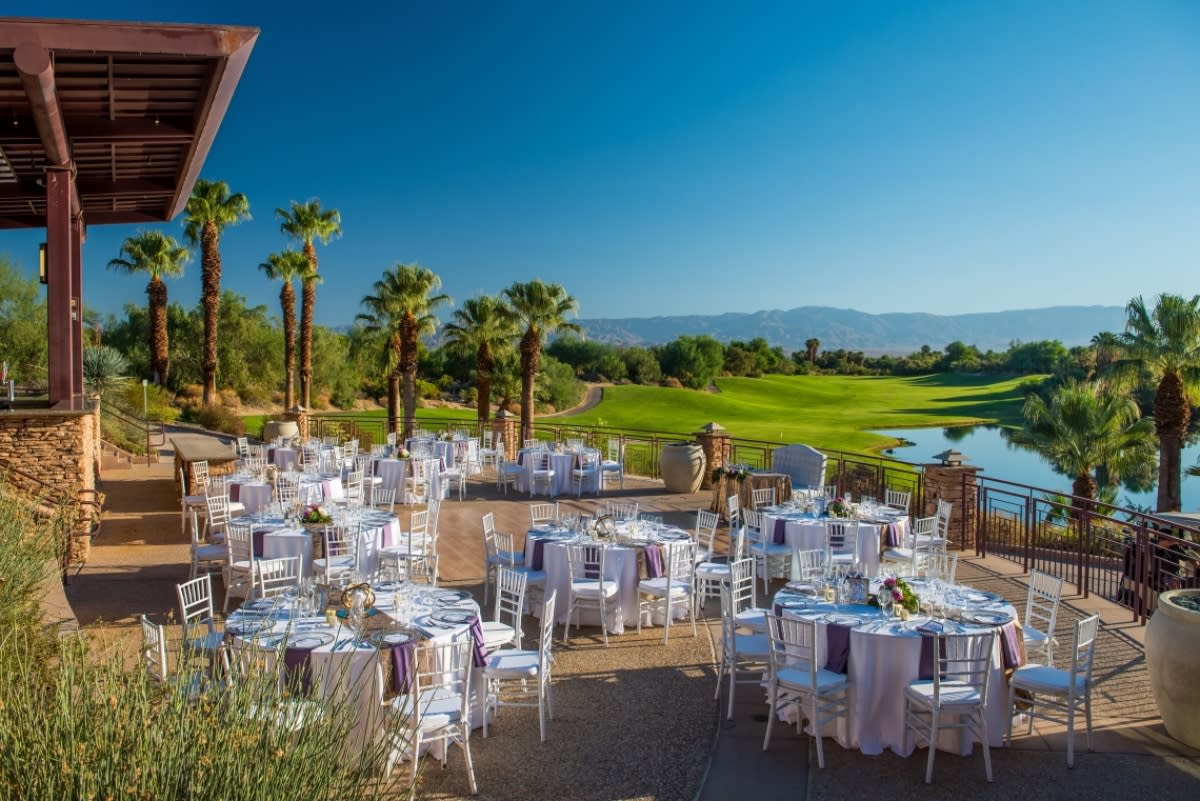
(59, 289)
(37, 76)
(126, 37)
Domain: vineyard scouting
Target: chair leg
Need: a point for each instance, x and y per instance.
(815, 721)
(933, 735)
(770, 714)
(1012, 708)
(1087, 712)
(541, 714)
(465, 743)
(1070, 732)
(987, 751)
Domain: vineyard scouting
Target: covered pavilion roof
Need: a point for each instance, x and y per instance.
(133, 108)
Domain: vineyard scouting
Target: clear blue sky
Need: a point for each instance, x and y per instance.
(674, 158)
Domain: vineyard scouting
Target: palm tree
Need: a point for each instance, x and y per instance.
(537, 310)
(210, 208)
(1107, 346)
(402, 310)
(1163, 346)
(812, 346)
(1085, 428)
(484, 327)
(158, 255)
(308, 223)
(287, 266)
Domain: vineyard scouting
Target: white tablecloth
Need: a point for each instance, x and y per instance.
(379, 530)
(254, 495)
(561, 463)
(882, 662)
(392, 473)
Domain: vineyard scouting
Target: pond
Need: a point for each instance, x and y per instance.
(987, 447)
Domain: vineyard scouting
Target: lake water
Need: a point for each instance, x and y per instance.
(988, 448)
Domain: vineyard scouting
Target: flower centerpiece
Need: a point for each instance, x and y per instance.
(732, 472)
(403, 453)
(839, 507)
(901, 592)
(317, 515)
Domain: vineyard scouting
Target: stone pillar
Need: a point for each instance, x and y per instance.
(717, 445)
(504, 427)
(957, 485)
(299, 415)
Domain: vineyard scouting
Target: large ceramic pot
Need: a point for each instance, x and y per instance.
(682, 465)
(1172, 654)
(288, 429)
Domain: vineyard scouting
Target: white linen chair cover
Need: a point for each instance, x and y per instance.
(803, 463)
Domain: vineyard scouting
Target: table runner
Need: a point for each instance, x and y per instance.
(403, 674)
(837, 647)
(297, 670)
(480, 650)
(654, 563)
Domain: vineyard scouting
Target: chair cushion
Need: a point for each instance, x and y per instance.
(1045, 679)
(1033, 635)
(594, 587)
(532, 577)
(713, 570)
(658, 586)
(898, 555)
(337, 562)
(439, 708)
(770, 548)
(751, 619)
(236, 506)
(797, 677)
(512, 664)
(954, 694)
(212, 641)
(752, 645)
(210, 553)
(496, 633)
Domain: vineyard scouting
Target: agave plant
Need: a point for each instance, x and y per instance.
(104, 369)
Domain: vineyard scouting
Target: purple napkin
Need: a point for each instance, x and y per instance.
(1010, 645)
(403, 674)
(297, 671)
(256, 538)
(235, 491)
(780, 528)
(539, 553)
(480, 648)
(654, 564)
(893, 535)
(837, 647)
(928, 638)
(326, 488)
(521, 458)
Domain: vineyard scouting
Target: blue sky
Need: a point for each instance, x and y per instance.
(677, 158)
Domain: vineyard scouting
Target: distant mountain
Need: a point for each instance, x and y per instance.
(899, 333)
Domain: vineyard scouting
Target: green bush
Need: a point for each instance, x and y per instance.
(157, 402)
(218, 418)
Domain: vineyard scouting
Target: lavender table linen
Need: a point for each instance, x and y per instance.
(654, 563)
(780, 530)
(894, 538)
(403, 674)
(837, 647)
(297, 670)
(1010, 645)
(480, 649)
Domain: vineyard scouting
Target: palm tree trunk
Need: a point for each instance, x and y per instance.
(408, 369)
(394, 377)
(210, 298)
(156, 291)
(1172, 413)
(483, 383)
(1084, 488)
(531, 348)
(307, 305)
(287, 302)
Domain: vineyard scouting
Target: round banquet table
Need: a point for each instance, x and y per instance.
(561, 463)
(378, 530)
(803, 533)
(252, 494)
(392, 472)
(342, 668)
(884, 657)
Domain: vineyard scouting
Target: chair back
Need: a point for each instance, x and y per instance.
(218, 512)
(616, 453)
(341, 541)
(243, 447)
(752, 525)
(810, 563)
(195, 601)
(679, 561)
(1041, 607)
(540, 513)
(741, 585)
(489, 538)
(154, 650)
(732, 505)
(737, 544)
(1083, 648)
(763, 497)
(942, 565)
(830, 491)
(384, 498)
(240, 540)
(532, 444)
(287, 490)
(277, 576)
(199, 477)
(505, 545)
(706, 531)
(897, 499)
(965, 658)
(793, 644)
(841, 538)
(621, 510)
(585, 562)
(510, 599)
(922, 527)
(546, 638)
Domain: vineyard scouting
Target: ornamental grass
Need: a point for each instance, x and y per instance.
(81, 719)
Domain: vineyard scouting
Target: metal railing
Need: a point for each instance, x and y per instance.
(86, 506)
(152, 432)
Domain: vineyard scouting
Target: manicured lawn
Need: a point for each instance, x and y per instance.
(824, 411)
(254, 422)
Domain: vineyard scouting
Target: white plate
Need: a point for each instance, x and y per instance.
(674, 535)
(450, 617)
(844, 620)
(310, 640)
(980, 597)
(451, 597)
(982, 618)
(381, 639)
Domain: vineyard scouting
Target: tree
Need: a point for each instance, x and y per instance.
(287, 266)
(1085, 428)
(22, 325)
(538, 309)
(812, 346)
(1163, 347)
(210, 208)
(483, 326)
(308, 223)
(1108, 349)
(159, 256)
(402, 310)
(695, 361)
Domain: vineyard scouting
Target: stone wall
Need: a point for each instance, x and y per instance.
(959, 486)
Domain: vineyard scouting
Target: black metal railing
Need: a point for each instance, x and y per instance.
(147, 433)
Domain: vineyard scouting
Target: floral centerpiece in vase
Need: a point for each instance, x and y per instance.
(839, 507)
(900, 593)
(315, 515)
(402, 453)
(731, 472)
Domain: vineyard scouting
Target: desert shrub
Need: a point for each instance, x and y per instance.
(229, 398)
(190, 396)
(158, 402)
(217, 418)
(255, 395)
(427, 390)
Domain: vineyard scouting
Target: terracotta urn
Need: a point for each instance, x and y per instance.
(1172, 654)
(682, 465)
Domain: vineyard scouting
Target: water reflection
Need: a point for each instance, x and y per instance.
(991, 448)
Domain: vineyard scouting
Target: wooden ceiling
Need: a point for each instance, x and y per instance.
(136, 105)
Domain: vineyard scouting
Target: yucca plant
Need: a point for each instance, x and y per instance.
(104, 369)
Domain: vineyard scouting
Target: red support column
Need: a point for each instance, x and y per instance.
(59, 289)
(77, 236)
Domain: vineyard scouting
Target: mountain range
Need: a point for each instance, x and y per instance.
(896, 333)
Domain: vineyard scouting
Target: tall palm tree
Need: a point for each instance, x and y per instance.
(159, 256)
(210, 208)
(308, 223)
(287, 266)
(811, 346)
(402, 309)
(482, 327)
(1084, 428)
(537, 309)
(1163, 346)
(1107, 346)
